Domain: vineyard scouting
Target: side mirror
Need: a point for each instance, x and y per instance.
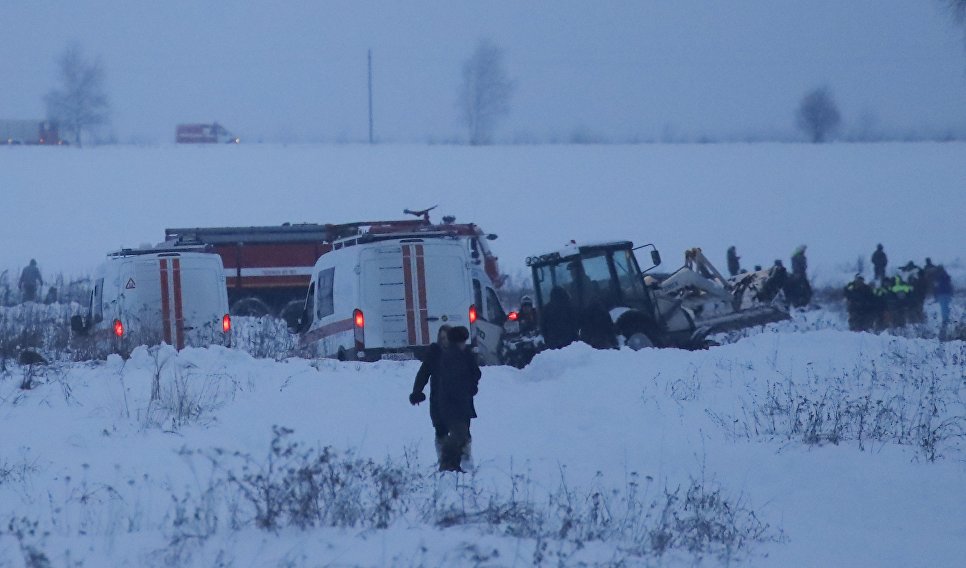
(77, 325)
(491, 237)
(655, 257)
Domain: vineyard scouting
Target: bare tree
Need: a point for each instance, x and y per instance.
(79, 103)
(818, 115)
(485, 93)
(958, 9)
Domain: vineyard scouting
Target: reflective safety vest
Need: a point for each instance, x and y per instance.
(900, 287)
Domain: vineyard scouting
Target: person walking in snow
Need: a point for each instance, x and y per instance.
(453, 375)
(30, 281)
(879, 262)
(734, 268)
(943, 291)
(428, 371)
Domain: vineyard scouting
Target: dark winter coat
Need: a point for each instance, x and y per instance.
(879, 261)
(597, 328)
(943, 285)
(733, 266)
(799, 264)
(560, 322)
(453, 376)
(30, 277)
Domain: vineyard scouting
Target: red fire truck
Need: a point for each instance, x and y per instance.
(204, 134)
(29, 132)
(268, 269)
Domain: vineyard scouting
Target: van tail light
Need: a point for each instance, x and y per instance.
(359, 325)
(118, 328)
(513, 316)
(226, 323)
(472, 314)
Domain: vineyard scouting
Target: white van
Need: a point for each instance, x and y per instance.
(386, 299)
(150, 296)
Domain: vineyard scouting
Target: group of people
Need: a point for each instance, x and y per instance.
(451, 370)
(795, 284)
(897, 300)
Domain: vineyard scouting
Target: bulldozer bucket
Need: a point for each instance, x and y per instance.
(717, 304)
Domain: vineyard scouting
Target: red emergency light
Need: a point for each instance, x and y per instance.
(473, 314)
(512, 316)
(226, 323)
(118, 328)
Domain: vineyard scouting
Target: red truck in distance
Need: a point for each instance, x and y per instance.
(213, 133)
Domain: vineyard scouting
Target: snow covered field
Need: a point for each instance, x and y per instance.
(796, 444)
(801, 445)
(68, 207)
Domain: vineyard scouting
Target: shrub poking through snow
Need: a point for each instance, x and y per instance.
(911, 398)
(302, 487)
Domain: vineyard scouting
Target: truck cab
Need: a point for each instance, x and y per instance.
(602, 282)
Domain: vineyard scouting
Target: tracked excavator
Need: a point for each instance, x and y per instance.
(598, 293)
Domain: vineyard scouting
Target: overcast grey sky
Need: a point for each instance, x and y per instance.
(295, 71)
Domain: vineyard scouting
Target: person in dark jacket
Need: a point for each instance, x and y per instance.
(799, 263)
(879, 262)
(30, 280)
(560, 321)
(734, 267)
(427, 370)
(597, 329)
(453, 375)
(928, 274)
(943, 290)
(861, 304)
(527, 316)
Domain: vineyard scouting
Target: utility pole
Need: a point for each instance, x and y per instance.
(370, 97)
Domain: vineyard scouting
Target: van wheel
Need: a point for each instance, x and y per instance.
(253, 307)
(638, 341)
(341, 354)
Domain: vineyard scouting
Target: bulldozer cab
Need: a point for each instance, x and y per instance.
(595, 276)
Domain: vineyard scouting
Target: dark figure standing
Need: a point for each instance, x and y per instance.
(453, 375)
(596, 327)
(879, 262)
(943, 290)
(861, 304)
(527, 316)
(928, 274)
(30, 280)
(734, 267)
(560, 323)
(799, 263)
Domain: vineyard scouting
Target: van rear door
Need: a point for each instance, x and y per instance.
(411, 289)
(203, 300)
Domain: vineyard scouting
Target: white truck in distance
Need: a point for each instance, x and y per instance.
(152, 296)
(388, 297)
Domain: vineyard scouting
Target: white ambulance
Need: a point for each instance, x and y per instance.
(386, 297)
(149, 296)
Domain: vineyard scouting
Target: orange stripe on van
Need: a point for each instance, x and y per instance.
(408, 285)
(421, 284)
(165, 303)
(178, 308)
